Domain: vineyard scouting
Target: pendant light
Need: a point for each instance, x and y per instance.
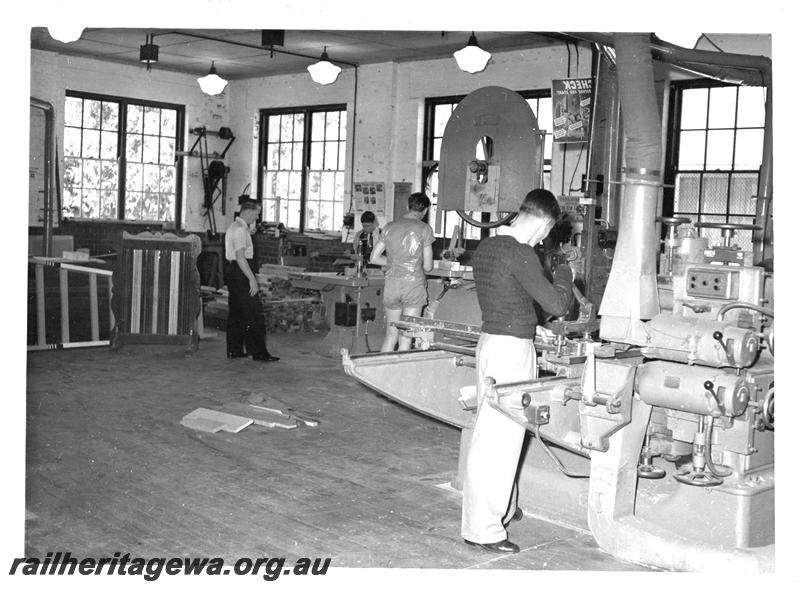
(211, 83)
(324, 72)
(472, 58)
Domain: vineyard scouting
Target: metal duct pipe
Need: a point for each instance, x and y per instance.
(49, 133)
(632, 292)
(751, 70)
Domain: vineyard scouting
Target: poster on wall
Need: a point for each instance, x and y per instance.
(572, 109)
(370, 196)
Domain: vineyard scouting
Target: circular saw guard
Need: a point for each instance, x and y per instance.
(516, 162)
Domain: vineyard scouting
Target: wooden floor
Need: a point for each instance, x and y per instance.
(110, 468)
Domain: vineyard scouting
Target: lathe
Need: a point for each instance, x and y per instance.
(652, 421)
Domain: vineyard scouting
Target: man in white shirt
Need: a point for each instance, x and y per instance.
(245, 327)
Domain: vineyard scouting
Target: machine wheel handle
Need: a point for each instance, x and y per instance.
(697, 478)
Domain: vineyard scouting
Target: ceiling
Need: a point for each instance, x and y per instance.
(179, 52)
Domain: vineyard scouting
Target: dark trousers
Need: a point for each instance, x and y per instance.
(245, 330)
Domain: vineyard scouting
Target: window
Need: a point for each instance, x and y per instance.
(119, 159)
(716, 142)
(437, 113)
(302, 155)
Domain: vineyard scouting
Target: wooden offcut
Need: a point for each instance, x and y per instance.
(202, 418)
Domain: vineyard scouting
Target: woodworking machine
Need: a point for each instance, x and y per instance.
(652, 420)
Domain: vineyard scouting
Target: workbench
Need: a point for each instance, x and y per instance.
(353, 309)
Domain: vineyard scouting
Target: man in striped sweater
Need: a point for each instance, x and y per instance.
(509, 278)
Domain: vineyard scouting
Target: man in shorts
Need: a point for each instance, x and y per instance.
(407, 244)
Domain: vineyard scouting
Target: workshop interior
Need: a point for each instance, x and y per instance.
(651, 422)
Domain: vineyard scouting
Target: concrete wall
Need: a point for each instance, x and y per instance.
(388, 119)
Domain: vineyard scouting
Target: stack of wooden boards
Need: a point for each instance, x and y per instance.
(259, 410)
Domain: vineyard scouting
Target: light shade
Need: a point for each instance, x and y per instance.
(324, 72)
(65, 32)
(472, 58)
(212, 84)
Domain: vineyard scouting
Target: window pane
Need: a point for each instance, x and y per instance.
(133, 201)
(133, 177)
(166, 179)
(109, 175)
(152, 120)
(150, 149)
(325, 215)
(719, 154)
(331, 155)
(342, 156)
(72, 202)
(287, 125)
(72, 141)
(108, 204)
(743, 188)
(72, 172)
(299, 126)
(294, 185)
(694, 108)
(687, 193)
(297, 156)
(133, 147)
(166, 210)
(272, 156)
(332, 125)
(749, 146)
(273, 128)
(751, 106)
(91, 174)
(336, 222)
(692, 149)
(91, 144)
(441, 114)
(293, 214)
(437, 148)
(339, 187)
(269, 211)
(317, 127)
(167, 155)
(317, 149)
(73, 111)
(314, 186)
(312, 214)
(91, 114)
(168, 122)
(110, 120)
(90, 204)
(108, 145)
(342, 125)
(282, 185)
(715, 193)
(285, 151)
(328, 184)
(722, 107)
(134, 121)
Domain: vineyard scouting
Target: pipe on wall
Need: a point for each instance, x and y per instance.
(49, 159)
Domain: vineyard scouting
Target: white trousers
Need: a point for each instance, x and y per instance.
(489, 481)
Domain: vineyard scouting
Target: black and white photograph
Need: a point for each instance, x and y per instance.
(383, 297)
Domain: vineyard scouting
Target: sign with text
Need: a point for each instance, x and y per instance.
(572, 109)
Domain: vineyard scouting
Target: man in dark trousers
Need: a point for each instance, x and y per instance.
(508, 278)
(245, 329)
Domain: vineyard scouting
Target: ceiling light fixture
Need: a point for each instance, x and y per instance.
(65, 32)
(148, 53)
(324, 72)
(472, 58)
(211, 83)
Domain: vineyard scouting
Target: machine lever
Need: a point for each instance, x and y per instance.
(718, 336)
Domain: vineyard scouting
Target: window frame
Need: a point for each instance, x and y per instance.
(124, 102)
(429, 138)
(672, 160)
(263, 141)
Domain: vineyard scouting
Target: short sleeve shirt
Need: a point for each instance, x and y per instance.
(405, 240)
(238, 236)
